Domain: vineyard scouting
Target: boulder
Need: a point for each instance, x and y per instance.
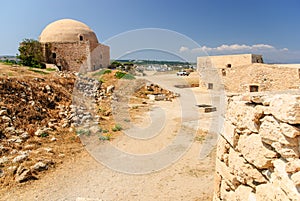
(272, 134)
(39, 166)
(286, 107)
(244, 172)
(23, 175)
(289, 130)
(270, 192)
(280, 178)
(241, 115)
(293, 166)
(229, 133)
(243, 193)
(253, 150)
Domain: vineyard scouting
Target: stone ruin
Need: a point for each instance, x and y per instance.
(258, 149)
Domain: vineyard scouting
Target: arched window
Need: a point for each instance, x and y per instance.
(80, 37)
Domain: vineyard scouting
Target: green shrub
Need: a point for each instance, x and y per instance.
(83, 132)
(38, 71)
(117, 127)
(102, 72)
(123, 75)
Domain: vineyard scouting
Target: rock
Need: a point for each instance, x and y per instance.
(296, 179)
(110, 89)
(286, 107)
(6, 119)
(12, 169)
(243, 193)
(20, 158)
(10, 130)
(217, 184)
(3, 160)
(227, 176)
(280, 178)
(269, 192)
(3, 112)
(225, 192)
(24, 136)
(23, 175)
(293, 166)
(2, 174)
(53, 139)
(222, 148)
(39, 166)
(245, 173)
(241, 115)
(289, 131)
(229, 133)
(253, 150)
(48, 88)
(271, 134)
(48, 150)
(42, 131)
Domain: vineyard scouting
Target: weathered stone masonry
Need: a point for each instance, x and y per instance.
(258, 149)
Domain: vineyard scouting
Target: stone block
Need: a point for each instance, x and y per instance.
(270, 192)
(286, 108)
(244, 172)
(228, 132)
(281, 179)
(272, 134)
(293, 166)
(241, 115)
(243, 193)
(253, 150)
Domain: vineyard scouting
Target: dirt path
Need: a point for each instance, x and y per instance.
(189, 178)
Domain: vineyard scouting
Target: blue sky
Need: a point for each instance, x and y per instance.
(268, 27)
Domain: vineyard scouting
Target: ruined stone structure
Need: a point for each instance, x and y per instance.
(72, 45)
(246, 73)
(258, 149)
(228, 61)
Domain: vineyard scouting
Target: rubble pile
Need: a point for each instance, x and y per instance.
(155, 92)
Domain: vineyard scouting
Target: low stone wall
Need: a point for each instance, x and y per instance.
(258, 149)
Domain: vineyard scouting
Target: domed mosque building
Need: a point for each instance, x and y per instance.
(71, 45)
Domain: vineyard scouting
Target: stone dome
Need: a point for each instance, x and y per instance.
(67, 30)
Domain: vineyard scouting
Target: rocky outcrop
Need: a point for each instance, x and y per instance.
(258, 149)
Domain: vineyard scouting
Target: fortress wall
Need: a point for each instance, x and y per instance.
(258, 149)
(267, 77)
(228, 61)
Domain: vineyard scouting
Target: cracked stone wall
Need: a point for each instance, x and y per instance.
(258, 149)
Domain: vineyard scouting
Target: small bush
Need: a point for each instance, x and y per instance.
(102, 72)
(83, 132)
(44, 135)
(38, 71)
(119, 74)
(117, 127)
(50, 69)
(123, 75)
(105, 137)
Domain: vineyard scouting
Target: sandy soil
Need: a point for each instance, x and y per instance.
(82, 176)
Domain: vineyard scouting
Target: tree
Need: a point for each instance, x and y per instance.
(31, 53)
(115, 64)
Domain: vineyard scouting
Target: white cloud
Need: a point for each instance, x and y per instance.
(228, 48)
(183, 49)
(269, 52)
